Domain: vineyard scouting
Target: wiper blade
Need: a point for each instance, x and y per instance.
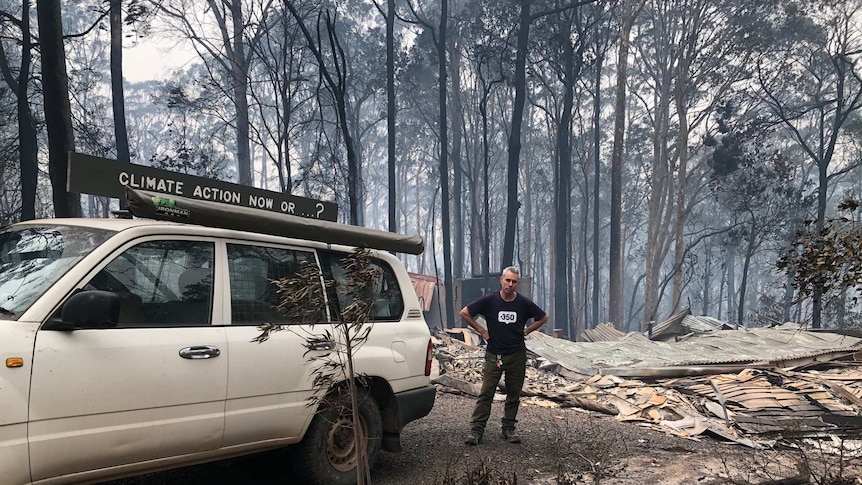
(4, 311)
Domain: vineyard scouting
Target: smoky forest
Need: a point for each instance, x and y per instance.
(633, 158)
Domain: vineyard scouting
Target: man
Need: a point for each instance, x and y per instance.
(506, 313)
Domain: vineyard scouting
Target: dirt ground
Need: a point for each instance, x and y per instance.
(569, 446)
(561, 446)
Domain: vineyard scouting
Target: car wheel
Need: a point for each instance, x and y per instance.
(328, 452)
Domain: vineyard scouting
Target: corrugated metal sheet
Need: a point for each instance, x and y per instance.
(762, 401)
(604, 332)
(424, 286)
(732, 401)
(743, 346)
(678, 324)
(672, 325)
(702, 324)
(684, 323)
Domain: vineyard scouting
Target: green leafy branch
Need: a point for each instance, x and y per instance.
(830, 259)
(349, 298)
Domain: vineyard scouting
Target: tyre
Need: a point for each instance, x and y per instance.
(327, 454)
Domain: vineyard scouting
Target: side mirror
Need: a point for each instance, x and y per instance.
(87, 309)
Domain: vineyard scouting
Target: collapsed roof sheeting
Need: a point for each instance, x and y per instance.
(672, 325)
(634, 353)
(754, 399)
(700, 324)
(678, 325)
(765, 401)
(604, 332)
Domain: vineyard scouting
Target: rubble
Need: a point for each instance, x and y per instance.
(750, 386)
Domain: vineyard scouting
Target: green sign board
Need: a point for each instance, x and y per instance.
(109, 178)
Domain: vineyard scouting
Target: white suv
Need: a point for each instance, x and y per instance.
(128, 348)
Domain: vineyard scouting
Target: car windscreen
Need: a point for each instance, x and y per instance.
(32, 258)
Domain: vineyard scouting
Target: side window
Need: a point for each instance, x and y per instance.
(383, 293)
(161, 283)
(254, 296)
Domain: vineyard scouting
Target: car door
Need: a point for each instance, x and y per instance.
(268, 383)
(153, 386)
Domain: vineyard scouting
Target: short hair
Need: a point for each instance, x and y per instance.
(511, 269)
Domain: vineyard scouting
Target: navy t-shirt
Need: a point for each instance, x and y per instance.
(506, 320)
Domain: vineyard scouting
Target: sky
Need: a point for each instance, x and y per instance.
(154, 59)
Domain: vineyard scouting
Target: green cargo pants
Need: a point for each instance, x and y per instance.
(515, 367)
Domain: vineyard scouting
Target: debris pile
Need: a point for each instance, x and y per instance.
(750, 386)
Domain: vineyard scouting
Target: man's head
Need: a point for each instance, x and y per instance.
(509, 282)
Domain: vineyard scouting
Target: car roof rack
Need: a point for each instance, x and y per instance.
(164, 207)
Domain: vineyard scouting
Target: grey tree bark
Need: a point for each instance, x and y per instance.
(454, 65)
(391, 110)
(449, 318)
(27, 145)
(597, 170)
(615, 262)
(513, 204)
(572, 56)
(58, 112)
(118, 100)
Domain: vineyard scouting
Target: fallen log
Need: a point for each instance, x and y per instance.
(591, 405)
(455, 383)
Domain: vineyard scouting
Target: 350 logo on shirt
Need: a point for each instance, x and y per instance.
(507, 317)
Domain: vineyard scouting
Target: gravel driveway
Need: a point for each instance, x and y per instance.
(579, 445)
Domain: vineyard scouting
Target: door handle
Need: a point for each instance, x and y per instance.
(320, 344)
(200, 352)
